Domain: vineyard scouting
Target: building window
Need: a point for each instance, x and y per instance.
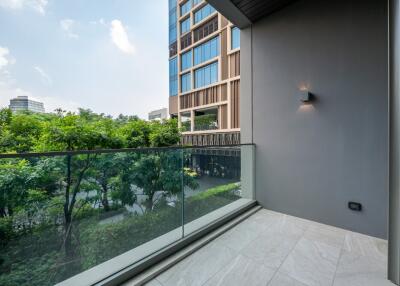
(195, 2)
(186, 41)
(186, 60)
(235, 38)
(206, 51)
(185, 26)
(186, 122)
(185, 8)
(206, 120)
(206, 29)
(206, 75)
(186, 82)
(173, 77)
(172, 22)
(203, 13)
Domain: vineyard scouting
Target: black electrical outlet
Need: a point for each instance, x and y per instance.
(355, 206)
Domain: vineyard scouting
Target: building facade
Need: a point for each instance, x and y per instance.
(159, 114)
(23, 103)
(204, 73)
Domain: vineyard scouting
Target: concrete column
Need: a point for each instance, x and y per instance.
(394, 180)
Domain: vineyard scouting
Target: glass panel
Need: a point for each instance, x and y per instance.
(215, 187)
(186, 60)
(206, 119)
(173, 77)
(185, 26)
(185, 8)
(203, 13)
(206, 51)
(186, 122)
(62, 215)
(235, 38)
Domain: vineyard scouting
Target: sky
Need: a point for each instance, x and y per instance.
(110, 56)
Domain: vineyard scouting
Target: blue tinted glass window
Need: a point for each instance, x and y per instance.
(206, 75)
(173, 18)
(185, 26)
(186, 60)
(186, 82)
(195, 2)
(203, 13)
(235, 38)
(173, 77)
(206, 51)
(185, 8)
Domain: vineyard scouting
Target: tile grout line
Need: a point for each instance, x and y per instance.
(340, 256)
(290, 252)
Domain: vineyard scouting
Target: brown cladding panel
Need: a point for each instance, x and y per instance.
(223, 109)
(173, 105)
(224, 56)
(234, 64)
(235, 97)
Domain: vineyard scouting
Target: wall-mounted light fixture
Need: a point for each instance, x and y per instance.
(305, 96)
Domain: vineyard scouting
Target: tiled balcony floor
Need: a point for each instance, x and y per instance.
(274, 249)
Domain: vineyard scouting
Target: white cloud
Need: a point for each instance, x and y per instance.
(45, 77)
(66, 26)
(120, 38)
(38, 5)
(4, 61)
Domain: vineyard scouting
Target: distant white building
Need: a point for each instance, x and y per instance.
(159, 114)
(23, 103)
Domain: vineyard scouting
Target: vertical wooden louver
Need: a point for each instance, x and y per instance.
(234, 64)
(206, 96)
(235, 97)
(223, 109)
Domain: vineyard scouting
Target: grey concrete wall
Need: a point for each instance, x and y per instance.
(394, 230)
(312, 160)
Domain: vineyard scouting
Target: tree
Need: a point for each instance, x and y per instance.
(161, 172)
(164, 133)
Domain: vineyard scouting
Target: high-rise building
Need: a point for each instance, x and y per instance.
(204, 73)
(23, 103)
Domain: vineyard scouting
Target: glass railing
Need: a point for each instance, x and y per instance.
(79, 217)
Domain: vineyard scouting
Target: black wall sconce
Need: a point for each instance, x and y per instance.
(305, 96)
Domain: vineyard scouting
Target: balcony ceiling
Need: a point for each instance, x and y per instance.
(245, 12)
(254, 10)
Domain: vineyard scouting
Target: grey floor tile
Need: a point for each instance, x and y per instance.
(326, 234)
(359, 270)
(312, 263)
(287, 225)
(199, 267)
(282, 280)
(239, 237)
(270, 249)
(242, 271)
(366, 245)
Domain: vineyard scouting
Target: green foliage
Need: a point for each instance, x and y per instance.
(164, 133)
(216, 191)
(206, 122)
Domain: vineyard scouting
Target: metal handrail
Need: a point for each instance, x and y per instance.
(108, 151)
